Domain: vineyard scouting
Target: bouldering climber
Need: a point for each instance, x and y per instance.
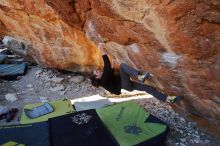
(114, 83)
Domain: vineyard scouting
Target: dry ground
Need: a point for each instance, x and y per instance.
(39, 84)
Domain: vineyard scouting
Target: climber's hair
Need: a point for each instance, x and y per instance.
(94, 81)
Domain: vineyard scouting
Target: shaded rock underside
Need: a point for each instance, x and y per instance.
(178, 41)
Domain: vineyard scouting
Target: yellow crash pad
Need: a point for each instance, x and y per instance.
(61, 107)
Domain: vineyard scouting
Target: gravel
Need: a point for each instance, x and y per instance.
(182, 131)
(40, 85)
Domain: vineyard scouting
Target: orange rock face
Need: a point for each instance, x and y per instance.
(53, 31)
(177, 41)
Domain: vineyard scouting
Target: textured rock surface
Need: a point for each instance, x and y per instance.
(177, 41)
(52, 34)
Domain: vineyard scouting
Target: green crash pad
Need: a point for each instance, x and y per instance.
(127, 123)
(61, 107)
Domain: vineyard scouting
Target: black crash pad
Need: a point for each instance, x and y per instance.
(79, 129)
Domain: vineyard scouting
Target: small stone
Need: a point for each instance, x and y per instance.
(38, 72)
(207, 141)
(181, 131)
(30, 85)
(196, 136)
(62, 92)
(196, 140)
(56, 79)
(12, 97)
(57, 88)
(43, 99)
(182, 144)
(31, 89)
(182, 119)
(183, 140)
(76, 79)
(46, 78)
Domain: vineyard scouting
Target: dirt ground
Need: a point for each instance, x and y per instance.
(40, 84)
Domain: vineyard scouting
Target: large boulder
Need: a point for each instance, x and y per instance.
(52, 34)
(176, 41)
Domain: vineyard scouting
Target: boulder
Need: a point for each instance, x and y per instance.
(178, 42)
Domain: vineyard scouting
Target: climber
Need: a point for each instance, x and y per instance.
(114, 83)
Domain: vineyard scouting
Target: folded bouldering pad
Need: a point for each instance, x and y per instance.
(12, 70)
(25, 135)
(60, 107)
(36, 112)
(129, 124)
(79, 129)
(2, 58)
(80, 106)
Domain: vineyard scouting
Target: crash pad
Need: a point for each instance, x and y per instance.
(2, 58)
(7, 70)
(61, 107)
(127, 123)
(79, 129)
(80, 106)
(25, 135)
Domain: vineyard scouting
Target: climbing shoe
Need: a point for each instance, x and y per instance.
(11, 114)
(143, 77)
(3, 116)
(174, 99)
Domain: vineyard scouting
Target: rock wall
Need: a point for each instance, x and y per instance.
(176, 41)
(53, 33)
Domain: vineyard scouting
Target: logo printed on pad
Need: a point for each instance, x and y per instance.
(132, 129)
(119, 116)
(81, 118)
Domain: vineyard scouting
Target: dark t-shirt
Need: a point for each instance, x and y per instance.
(109, 80)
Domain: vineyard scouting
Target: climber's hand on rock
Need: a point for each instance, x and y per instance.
(102, 48)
